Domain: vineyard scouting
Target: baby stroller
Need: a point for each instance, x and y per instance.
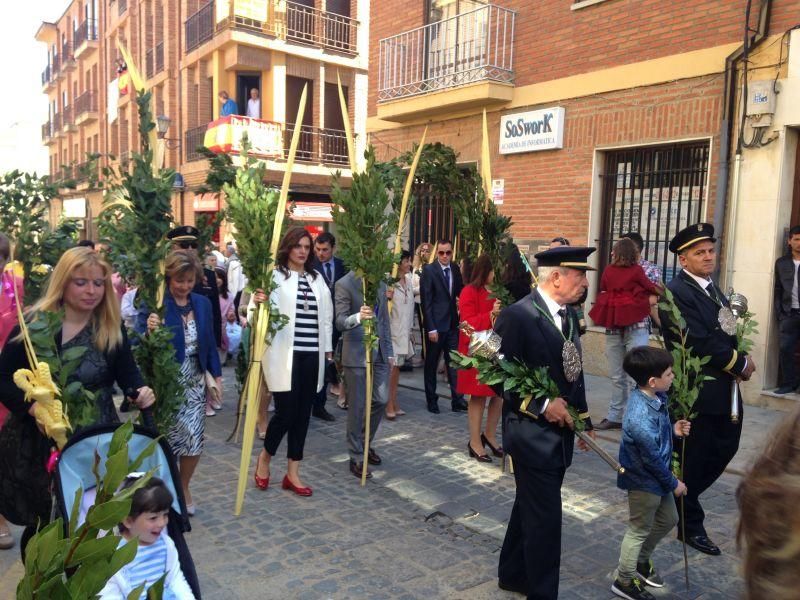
(74, 471)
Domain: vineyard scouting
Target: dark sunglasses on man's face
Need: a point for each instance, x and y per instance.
(445, 252)
(187, 245)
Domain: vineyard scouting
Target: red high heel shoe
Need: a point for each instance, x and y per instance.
(300, 491)
(261, 482)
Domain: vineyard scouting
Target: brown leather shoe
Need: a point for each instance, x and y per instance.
(356, 468)
(605, 425)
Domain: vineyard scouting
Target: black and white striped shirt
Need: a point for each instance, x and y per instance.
(306, 327)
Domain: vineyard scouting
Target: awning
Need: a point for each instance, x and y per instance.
(208, 202)
(312, 211)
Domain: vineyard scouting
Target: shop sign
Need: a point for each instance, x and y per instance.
(225, 135)
(312, 211)
(74, 208)
(533, 130)
(208, 202)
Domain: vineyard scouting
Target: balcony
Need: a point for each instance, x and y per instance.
(471, 53)
(85, 108)
(194, 138)
(68, 120)
(154, 60)
(318, 145)
(282, 19)
(87, 171)
(55, 125)
(48, 134)
(68, 62)
(47, 78)
(85, 38)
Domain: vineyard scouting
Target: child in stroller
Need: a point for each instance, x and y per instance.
(156, 554)
(74, 472)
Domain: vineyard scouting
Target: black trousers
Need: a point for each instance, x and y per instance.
(531, 555)
(418, 310)
(448, 340)
(789, 335)
(710, 447)
(293, 408)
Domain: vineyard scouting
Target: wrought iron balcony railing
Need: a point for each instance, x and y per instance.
(86, 32)
(192, 141)
(283, 19)
(471, 47)
(318, 145)
(154, 60)
(86, 102)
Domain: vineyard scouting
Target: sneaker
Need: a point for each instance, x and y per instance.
(648, 573)
(633, 590)
(605, 424)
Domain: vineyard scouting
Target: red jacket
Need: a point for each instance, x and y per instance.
(624, 297)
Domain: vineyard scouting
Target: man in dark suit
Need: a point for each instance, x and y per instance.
(185, 238)
(440, 286)
(540, 330)
(787, 310)
(332, 270)
(715, 438)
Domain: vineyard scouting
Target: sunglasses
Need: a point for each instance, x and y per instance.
(445, 252)
(187, 245)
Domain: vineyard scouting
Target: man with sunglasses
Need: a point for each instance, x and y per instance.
(185, 238)
(440, 286)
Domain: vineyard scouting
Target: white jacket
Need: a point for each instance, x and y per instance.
(277, 359)
(118, 587)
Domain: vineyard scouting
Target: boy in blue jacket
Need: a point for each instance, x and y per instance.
(646, 454)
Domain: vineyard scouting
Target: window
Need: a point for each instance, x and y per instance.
(656, 191)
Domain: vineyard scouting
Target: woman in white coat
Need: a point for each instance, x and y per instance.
(294, 361)
(401, 320)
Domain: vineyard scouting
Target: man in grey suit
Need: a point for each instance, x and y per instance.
(350, 312)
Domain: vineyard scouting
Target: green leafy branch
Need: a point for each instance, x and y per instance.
(516, 377)
(365, 212)
(746, 327)
(78, 403)
(252, 209)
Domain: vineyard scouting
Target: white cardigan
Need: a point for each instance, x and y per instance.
(276, 362)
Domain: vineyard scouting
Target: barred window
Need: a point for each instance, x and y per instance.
(657, 191)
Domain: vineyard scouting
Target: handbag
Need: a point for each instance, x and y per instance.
(212, 389)
(24, 481)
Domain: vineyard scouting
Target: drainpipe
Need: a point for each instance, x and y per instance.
(726, 129)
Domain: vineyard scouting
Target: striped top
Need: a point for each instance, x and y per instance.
(148, 565)
(306, 324)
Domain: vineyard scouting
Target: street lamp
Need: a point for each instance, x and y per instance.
(162, 124)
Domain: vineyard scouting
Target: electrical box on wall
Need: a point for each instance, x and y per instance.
(760, 98)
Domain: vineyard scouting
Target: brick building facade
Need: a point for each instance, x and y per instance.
(188, 51)
(646, 104)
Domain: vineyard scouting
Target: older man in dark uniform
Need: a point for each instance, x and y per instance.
(541, 330)
(715, 438)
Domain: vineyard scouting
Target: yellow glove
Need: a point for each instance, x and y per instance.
(39, 388)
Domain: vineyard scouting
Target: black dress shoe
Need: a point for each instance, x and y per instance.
(459, 405)
(484, 458)
(356, 467)
(703, 544)
(510, 587)
(433, 407)
(498, 452)
(373, 458)
(323, 414)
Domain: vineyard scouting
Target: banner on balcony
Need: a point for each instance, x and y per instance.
(312, 211)
(533, 130)
(225, 135)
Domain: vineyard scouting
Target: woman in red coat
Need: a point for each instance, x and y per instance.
(479, 310)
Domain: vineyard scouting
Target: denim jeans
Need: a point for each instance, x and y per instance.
(651, 517)
(617, 344)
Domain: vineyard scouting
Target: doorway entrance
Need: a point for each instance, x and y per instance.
(244, 83)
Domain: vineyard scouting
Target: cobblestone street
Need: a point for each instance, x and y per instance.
(429, 524)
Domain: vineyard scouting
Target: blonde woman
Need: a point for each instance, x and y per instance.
(422, 256)
(80, 286)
